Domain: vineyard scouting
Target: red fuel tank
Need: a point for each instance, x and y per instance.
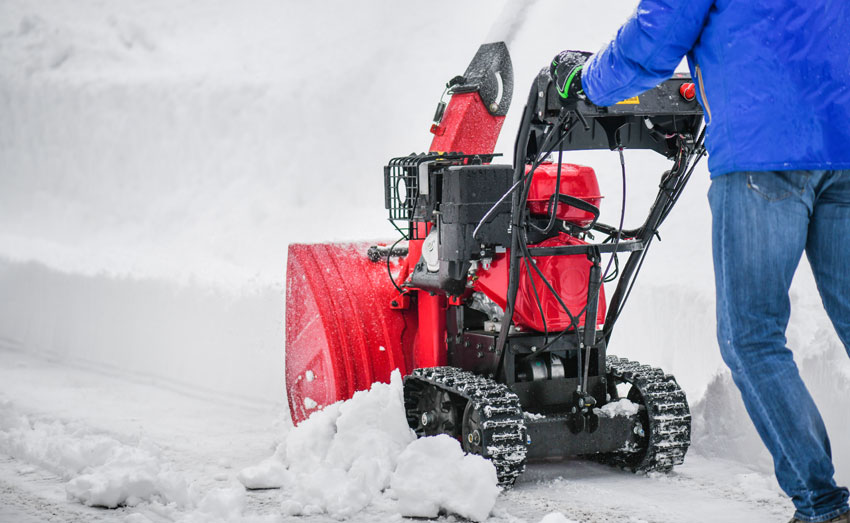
(576, 180)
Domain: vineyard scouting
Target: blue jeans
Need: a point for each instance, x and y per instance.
(761, 224)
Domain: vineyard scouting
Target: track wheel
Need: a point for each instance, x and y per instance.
(435, 413)
(663, 428)
(473, 433)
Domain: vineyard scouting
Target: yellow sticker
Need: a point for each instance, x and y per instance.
(634, 100)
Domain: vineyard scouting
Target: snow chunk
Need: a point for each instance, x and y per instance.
(433, 474)
(271, 473)
(310, 403)
(556, 517)
(623, 407)
(128, 477)
(309, 375)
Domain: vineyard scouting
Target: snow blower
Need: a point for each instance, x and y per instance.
(492, 301)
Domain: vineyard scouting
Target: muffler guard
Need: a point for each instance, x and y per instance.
(341, 334)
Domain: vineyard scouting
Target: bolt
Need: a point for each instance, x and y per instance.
(394, 303)
(494, 107)
(639, 430)
(474, 437)
(533, 348)
(427, 418)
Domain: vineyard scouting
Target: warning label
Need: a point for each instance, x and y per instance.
(634, 100)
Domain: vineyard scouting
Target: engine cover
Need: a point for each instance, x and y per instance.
(569, 276)
(576, 180)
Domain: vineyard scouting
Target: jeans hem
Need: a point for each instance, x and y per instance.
(822, 517)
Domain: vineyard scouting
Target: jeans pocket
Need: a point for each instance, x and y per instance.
(777, 185)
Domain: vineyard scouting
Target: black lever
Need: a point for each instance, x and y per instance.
(580, 204)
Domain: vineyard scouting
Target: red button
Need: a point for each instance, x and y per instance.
(688, 91)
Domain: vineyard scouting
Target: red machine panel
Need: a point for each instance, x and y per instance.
(568, 276)
(467, 127)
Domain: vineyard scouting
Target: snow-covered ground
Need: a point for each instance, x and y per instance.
(66, 424)
(156, 159)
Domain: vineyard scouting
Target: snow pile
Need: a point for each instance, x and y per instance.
(621, 407)
(433, 474)
(102, 471)
(341, 458)
(722, 427)
(361, 452)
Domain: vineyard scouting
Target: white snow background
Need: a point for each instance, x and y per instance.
(157, 157)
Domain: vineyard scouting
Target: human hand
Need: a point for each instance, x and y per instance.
(565, 71)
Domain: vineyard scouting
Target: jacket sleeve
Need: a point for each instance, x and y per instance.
(646, 50)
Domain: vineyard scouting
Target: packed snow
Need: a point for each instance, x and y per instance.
(621, 407)
(156, 159)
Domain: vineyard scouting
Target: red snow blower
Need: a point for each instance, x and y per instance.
(491, 303)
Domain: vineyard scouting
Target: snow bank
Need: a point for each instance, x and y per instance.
(214, 343)
(721, 425)
(103, 471)
(361, 452)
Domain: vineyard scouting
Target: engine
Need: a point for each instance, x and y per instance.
(457, 206)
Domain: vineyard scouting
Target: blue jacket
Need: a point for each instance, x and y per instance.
(773, 76)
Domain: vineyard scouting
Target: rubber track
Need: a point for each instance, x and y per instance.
(503, 426)
(669, 417)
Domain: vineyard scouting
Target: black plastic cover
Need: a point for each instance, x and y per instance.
(469, 192)
(491, 73)
(648, 121)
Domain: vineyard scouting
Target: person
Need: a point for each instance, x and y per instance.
(773, 78)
